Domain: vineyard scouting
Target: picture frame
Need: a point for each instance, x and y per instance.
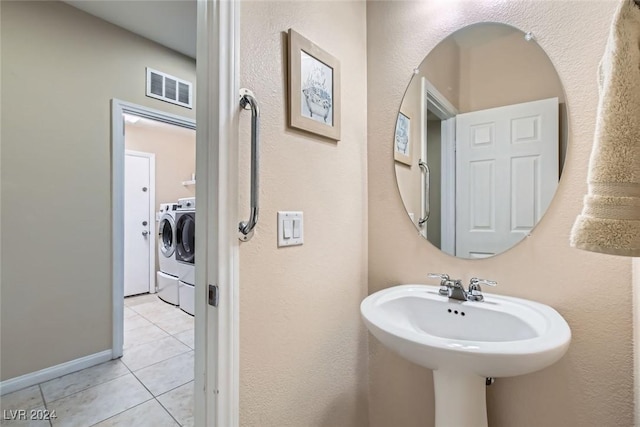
(402, 140)
(314, 88)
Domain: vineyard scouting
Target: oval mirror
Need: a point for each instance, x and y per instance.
(480, 140)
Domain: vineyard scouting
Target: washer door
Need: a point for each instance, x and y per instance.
(167, 234)
(185, 238)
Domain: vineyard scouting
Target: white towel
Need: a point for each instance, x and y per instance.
(610, 219)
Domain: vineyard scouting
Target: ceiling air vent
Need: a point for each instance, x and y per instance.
(169, 88)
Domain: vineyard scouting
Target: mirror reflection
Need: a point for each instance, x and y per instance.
(480, 140)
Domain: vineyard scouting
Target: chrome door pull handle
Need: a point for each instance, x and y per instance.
(145, 233)
(427, 190)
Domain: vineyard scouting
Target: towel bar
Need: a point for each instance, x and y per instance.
(248, 101)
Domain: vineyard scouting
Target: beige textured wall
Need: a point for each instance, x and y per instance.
(443, 70)
(503, 71)
(60, 69)
(303, 348)
(592, 386)
(175, 150)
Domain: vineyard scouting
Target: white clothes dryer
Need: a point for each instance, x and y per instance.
(186, 252)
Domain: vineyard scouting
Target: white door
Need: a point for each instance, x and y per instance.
(506, 174)
(138, 225)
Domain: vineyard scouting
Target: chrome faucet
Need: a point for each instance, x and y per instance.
(453, 288)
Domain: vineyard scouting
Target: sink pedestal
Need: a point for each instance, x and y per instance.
(461, 399)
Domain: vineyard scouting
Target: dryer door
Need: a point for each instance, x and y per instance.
(167, 235)
(185, 238)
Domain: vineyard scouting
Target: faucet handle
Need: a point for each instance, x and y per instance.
(475, 291)
(476, 281)
(444, 278)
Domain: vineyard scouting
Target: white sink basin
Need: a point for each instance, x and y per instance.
(465, 341)
(501, 336)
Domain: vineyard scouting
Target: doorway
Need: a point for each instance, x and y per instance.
(140, 121)
(438, 149)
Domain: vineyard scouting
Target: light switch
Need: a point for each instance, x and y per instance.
(296, 228)
(290, 228)
(286, 229)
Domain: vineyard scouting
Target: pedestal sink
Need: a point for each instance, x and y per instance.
(465, 342)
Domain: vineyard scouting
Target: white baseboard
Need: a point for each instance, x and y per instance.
(56, 371)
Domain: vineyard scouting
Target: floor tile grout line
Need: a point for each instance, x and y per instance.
(164, 392)
(155, 363)
(169, 358)
(178, 314)
(44, 402)
(168, 412)
(164, 330)
(148, 342)
(140, 327)
(164, 306)
(86, 388)
(155, 397)
(142, 384)
(170, 312)
(121, 412)
(158, 326)
(168, 391)
(176, 387)
(167, 307)
(160, 361)
(153, 341)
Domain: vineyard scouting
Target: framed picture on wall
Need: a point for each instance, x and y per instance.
(402, 145)
(314, 88)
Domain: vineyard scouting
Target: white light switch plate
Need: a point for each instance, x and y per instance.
(290, 228)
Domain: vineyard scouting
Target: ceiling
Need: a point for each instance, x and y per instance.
(171, 23)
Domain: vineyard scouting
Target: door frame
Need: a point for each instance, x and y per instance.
(217, 385)
(439, 105)
(152, 209)
(118, 108)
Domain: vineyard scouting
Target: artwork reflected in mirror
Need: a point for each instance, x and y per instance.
(402, 148)
(487, 143)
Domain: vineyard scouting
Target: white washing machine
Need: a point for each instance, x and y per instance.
(167, 277)
(186, 252)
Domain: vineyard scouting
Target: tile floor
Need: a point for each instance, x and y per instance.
(151, 386)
